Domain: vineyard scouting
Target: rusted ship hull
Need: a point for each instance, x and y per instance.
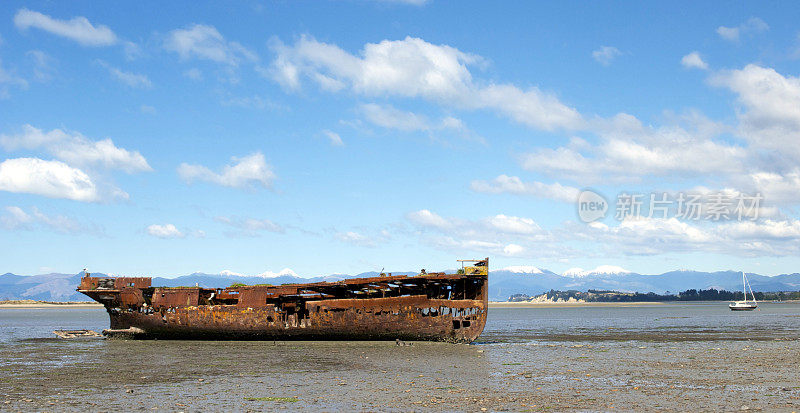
(436, 306)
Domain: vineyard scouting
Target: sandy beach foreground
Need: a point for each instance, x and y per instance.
(379, 376)
(647, 358)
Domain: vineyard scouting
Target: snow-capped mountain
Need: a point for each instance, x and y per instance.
(227, 272)
(265, 274)
(601, 270)
(283, 272)
(523, 269)
(502, 283)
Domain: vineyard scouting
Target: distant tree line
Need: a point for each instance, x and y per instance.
(689, 295)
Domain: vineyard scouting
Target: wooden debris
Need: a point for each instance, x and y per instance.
(76, 333)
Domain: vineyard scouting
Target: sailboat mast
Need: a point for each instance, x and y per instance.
(744, 286)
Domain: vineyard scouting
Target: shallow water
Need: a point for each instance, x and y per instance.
(660, 322)
(667, 322)
(654, 357)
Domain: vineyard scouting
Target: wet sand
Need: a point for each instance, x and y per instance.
(653, 369)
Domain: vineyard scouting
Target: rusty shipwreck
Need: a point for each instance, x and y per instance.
(426, 306)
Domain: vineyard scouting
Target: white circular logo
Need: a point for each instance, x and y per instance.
(591, 206)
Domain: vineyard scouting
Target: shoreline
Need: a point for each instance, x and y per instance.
(549, 304)
(33, 304)
(527, 304)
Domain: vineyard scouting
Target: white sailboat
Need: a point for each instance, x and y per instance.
(745, 305)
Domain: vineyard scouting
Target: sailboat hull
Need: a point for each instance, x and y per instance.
(744, 305)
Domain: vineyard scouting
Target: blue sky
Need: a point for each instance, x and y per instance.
(348, 136)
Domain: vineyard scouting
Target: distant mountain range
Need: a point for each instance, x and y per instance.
(502, 283)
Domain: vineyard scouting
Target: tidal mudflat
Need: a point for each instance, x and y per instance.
(663, 357)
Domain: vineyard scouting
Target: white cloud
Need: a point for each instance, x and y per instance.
(249, 227)
(513, 225)
(783, 188)
(751, 26)
(630, 151)
(788, 230)
(205, 42)
(480, 246)
(413, 67)
(511, 250)
(743, 204)
(248, 171)
(147, 109)
(363, 238)
(194, 74)
(354, 238)
(165, 231)
(762, 156)
(497, 224)
(531, 107)
(52, 179)
(656, 236)
(76, 149)
(770, 102)
(78, 28)
(516, 236)
(694, 61)
(249, 102)
(58, 223)
(43, 65)
(229, 272)
(514, 185)
(333, 137)
(133, 80)
(728, 33)
(606, 54)
(409, 67)
(427, 218)
(387, 116)
(16, 218)
(497, 235)
(132, 50)
(7, 79)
